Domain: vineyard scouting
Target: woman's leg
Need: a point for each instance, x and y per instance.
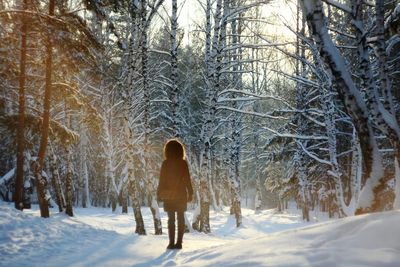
(171, 229)
(181, 229)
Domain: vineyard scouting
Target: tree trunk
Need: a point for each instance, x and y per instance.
(204, 215)
(155, 211)
(19, 179)
(114, 201)
(140, 230)
(328, 104)
(382, 58)
(146, 121)
(196, 214)
(133, 188)
(124, 201)
(236, 126)
(352, 99)
(69, 194)
(27, 193)
(56, 182)
(174, 69)
(40, 181)
(258, 197)
(86, 194)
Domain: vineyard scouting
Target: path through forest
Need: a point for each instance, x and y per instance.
(128, 249)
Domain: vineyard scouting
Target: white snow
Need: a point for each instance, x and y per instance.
(4, 179)
(98, 237)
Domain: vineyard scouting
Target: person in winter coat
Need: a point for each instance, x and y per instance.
(175, 189)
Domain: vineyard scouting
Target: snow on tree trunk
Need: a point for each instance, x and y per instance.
(236, 28)
(110, 157)
(258, 197)
(196, 212)
(303, 184)
(146, 120)
(213, 196)
(335, 171)
(388, 109)
(300, 162)
(85, 172)
(196, 217)
(383, 118)
(155, 210)
(255, 122)
(236, 201)
(352, 99)
(209, 117)
(385, 83)
(213, 62)
(86, 197)
(356, 171)
(56, 182)
(27, 194)
(205, 191)
(174, 69)
(133, 192)
(208, 40)
(137, 28)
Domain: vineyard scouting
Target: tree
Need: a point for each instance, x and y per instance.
(19, 179)
(364, 115)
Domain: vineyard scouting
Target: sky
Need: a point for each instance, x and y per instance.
(191, 14)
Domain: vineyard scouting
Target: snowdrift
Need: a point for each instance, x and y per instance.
(368, 240)
(27, 240)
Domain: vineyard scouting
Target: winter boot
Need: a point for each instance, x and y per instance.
(171, 235)
(181, 231)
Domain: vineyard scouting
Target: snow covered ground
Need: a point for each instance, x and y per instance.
(97, 237)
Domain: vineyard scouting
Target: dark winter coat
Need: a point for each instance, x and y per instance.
(174, 176)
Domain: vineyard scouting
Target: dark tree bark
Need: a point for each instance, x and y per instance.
(124, 202)
(69, 194)
(56, 184)
(114, 200)
(41, 181)
(174, 69)
(19, 180)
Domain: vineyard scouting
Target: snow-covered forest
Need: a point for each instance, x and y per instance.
(284, 107)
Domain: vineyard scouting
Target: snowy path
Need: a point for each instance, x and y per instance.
(97, 237)
(128, 249)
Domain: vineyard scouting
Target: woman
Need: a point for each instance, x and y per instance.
(175, 189)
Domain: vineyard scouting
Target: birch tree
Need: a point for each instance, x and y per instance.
(363, 114)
